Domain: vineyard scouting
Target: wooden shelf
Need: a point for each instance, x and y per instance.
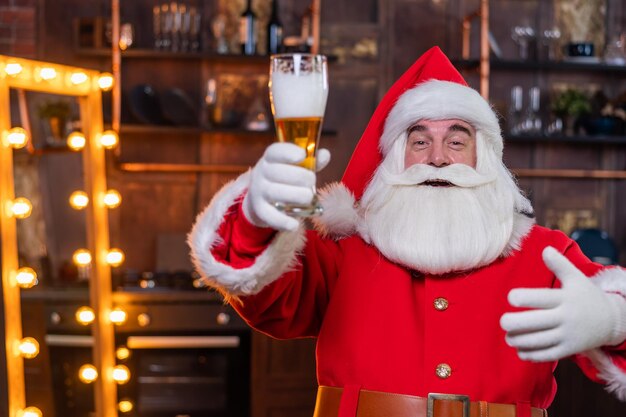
(578, 139)
(156, 54)
(517, 65)
(137, 53)
(186, 130)
(595, 174)
(190, 130)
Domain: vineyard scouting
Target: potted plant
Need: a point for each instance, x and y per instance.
(55, 114)
(569, 105)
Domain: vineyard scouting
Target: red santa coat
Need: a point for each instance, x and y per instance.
(377, 324)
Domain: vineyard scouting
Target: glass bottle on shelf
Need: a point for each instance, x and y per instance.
(515, 110)
(274, 31)
(247, 30)
(218, 27)
(532, 124)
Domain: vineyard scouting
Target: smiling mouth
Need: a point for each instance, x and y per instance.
(437, 183)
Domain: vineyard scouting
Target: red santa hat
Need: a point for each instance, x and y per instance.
(430, 89)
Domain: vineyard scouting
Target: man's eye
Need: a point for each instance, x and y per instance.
(419, 144)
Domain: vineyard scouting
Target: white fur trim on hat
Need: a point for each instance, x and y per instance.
(439, 100)
(610, 280)
(279, 257)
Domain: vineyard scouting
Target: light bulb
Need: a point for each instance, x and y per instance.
(79, 200)
(47, 73)
(13, 69)
(21, 208)
(85, 315)
(115, 257)
(105, 81)
(122, 353)
(112, 199)
(109, 139)
(16, 138)
(78, 77)
(29, 348)
(121, 374)
(117, 316)
(88, 373)
(26, 277)
(76, 141)
(81, 257)
(125, 406)
(30, 412)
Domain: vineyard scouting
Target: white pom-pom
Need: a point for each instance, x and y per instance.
(340, 216)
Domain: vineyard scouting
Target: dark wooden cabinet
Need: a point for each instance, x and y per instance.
(283, 377)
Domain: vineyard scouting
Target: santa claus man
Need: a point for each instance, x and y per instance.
(426, 273)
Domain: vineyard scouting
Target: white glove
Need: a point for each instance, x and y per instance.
(575, 318)
(274, 179)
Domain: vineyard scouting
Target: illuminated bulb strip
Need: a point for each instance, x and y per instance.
(85, 315)
(81, 257)
(125, 406)
(105, 81)
(21, 208)
(30, 412)
(16, 138)
(109, 139)
(112, 199)
(122, 353)
(26, 277)
(121, 374)
(79, 200)
(13, 68)
(29, 348)
(78, 77)
(88, 373)
(76, 141)
(48, 73)
(118, 316)
(115, 257)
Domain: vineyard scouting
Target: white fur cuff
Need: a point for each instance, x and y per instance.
(610, 280)
(277, 259)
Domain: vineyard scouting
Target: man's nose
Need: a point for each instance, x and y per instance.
(438, 157)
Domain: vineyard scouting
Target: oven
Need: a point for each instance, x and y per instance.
(189, 356)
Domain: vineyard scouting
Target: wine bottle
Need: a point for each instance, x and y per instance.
(274, 31)
(247, 30)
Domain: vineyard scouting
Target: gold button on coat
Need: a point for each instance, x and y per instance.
(443, 370)
(440, 303)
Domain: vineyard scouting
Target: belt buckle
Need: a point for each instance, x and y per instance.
(464, 399)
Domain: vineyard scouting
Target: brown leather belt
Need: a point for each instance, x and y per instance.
(383, 404)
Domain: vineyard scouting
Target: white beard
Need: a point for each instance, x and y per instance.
(438, 230)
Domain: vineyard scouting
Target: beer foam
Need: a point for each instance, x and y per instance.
(302, 95)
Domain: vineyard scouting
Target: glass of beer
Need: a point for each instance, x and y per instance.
(298, 91)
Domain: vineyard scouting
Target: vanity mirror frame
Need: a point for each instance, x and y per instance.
(29, 75)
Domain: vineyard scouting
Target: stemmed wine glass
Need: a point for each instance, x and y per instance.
(523, 35)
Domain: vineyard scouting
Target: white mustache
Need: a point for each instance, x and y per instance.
(460, 175)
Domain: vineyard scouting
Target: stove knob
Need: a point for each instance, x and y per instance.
(143, 319)
(55, 318)
(223, 319)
